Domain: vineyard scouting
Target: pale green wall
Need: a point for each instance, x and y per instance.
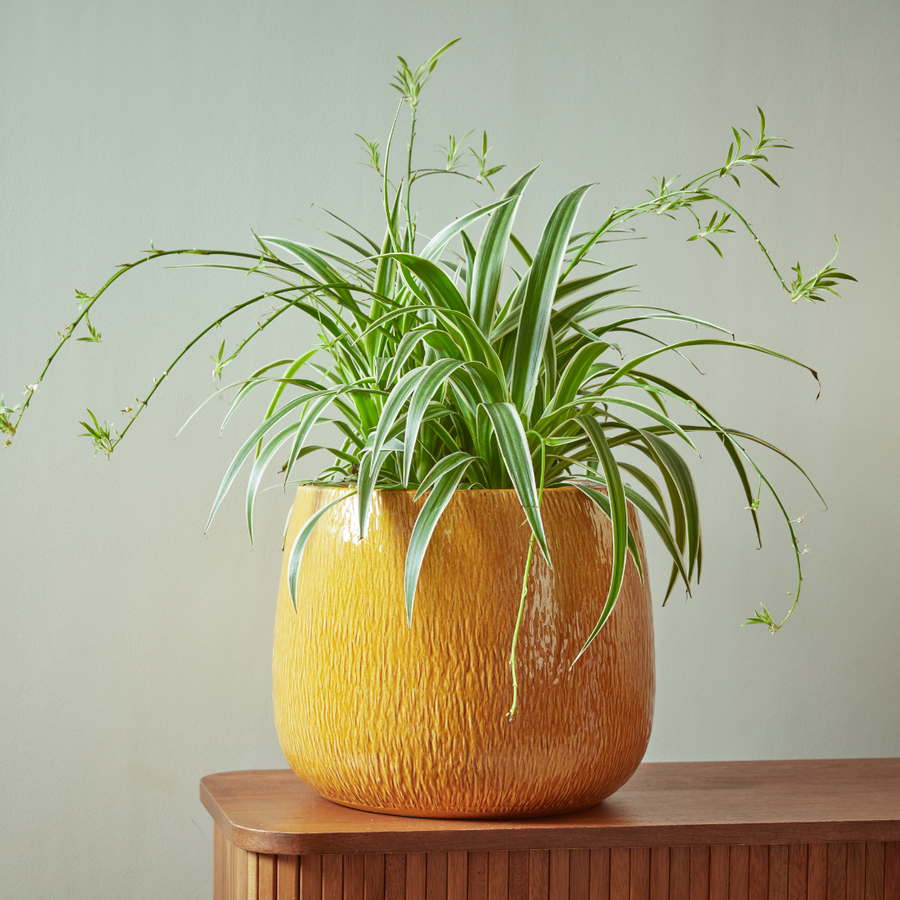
(134, 652)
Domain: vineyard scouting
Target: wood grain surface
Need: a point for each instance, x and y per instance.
(266, 868)
(665, 804)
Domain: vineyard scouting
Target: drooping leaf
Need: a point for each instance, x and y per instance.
(249, 445)
(618, 519)
(602, 500)
(317, 263)
(303, 536)
(517, 460)
(441, 468)
(367, 478)
(435, 504)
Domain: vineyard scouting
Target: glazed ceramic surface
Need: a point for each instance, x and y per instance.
(378, 715)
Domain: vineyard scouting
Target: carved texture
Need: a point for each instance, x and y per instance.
(375, 714)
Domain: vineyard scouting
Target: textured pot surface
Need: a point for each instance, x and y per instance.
(378, 715)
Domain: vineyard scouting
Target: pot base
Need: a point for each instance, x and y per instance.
(472, 817)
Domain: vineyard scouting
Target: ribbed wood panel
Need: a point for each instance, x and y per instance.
(874, 871)
(851, 871)
(599, 874)
(659, 873)
(892, 870)
(266, 875)
(287, 878)
(699, 873)
(718, 872)
(798, 871)
(498, 875)
(778, 871)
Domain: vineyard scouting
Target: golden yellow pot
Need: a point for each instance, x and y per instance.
(378, 715)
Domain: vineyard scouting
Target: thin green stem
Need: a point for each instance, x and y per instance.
(512, 656)
(521, 614)
(753, 234)
(411, 234)
(766, 618)
(235, 309)
(70, 329)
(386, 183)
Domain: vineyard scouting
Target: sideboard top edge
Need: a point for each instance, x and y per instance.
(666, 804)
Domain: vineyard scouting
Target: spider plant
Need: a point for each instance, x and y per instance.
(470, 362)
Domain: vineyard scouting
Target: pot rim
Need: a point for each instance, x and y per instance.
(348, 487)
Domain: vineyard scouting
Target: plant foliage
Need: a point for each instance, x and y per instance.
(470, 362)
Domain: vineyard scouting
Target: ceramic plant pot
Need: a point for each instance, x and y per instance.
(381, 716)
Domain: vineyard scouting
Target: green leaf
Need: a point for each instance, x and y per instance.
(395, 401)
(661, 527)
(444, 465)
(573, 378)
(565, 288)
(435, 247)
(303, 536)
(384, 277)
(625, 368)
(290, 372)
(451, 310)
(517, 460)
(647, 483)
(490, 256)
(431, 511)
(520, 247)
(409, 343)
(313, 258)
(678, 470)
(369, 469)
(259, 467)
(618, 518)
(602, 500)
(534, 322)
(663, 419)
(311, 416)
(367, 478)
(508, 318)
(470, 264)
(434, 377)
(661, 315)
(353, 228)
(246, 386)
(249, 445)
(442, 290)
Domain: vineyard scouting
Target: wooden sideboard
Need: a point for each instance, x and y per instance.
(763, 830)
